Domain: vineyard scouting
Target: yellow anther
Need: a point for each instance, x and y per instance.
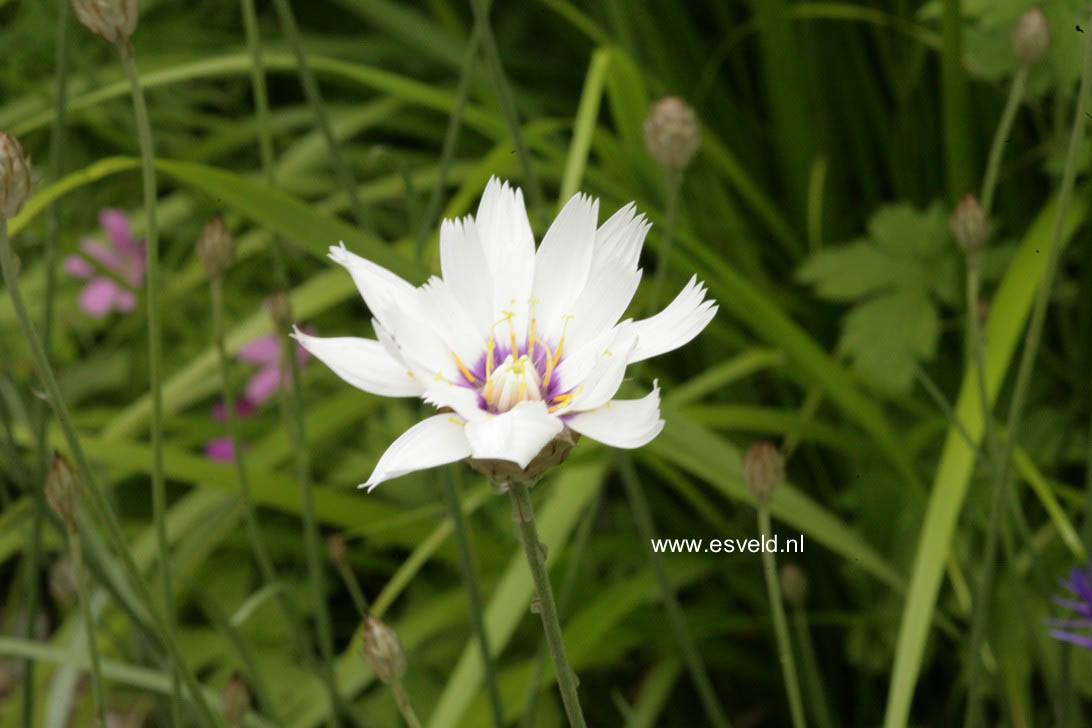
(454, 421)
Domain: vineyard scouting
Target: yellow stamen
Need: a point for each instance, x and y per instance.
(462, 368)
(531, 337)
(561, 400)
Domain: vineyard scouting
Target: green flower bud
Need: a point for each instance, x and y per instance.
(62, 489)
(216, 248)
(672, 133)
(114, 20)
(1031, 37)
(383, 651)
(969, 224)
(14, 176)
(763, 470)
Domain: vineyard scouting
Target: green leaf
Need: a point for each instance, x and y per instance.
(887, 335)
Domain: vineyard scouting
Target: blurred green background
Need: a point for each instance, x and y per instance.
(836, 140)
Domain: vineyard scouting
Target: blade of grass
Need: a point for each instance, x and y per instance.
(584, 124)
(314, 98)
(508, 104)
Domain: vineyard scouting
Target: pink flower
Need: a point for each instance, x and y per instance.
(122, 256)
(264, 352)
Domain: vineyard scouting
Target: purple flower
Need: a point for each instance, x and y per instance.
(121, 255)
(265, 353)
(1078, 628)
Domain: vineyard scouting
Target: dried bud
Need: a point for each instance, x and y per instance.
(672, 133)
(114, 20)
(763, 469)
(335, 545)
(969, 224)
(794, 584)
(280, 310)
(216, 248)
(62, 489)
(14, 176)
(62, 582)
(235, 700)
(383, 651)
(502, 472)
(1031, 37)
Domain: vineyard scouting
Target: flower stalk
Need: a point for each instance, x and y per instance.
(155, 343)
(1002, 472)
(524, 515)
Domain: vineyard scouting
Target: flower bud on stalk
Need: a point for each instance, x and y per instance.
(235, 700)
(216, 248)
(335, 546)
(383, 651)
(794, 584)
(280, 310)
(14, 176)
(672, 133)
(114, 20)
(969, 224)
(62, 489)
(1031, 37)
(763, 470)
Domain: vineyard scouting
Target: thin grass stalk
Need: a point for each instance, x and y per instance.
(1023, 379)
(642, 516)
(100, 503)
(254, 530)
(56, 157)
(577, 549)
(76, 554)
(508, 104)
(291, 404)
(663, 262)
(524, 515)
(473, 593)
(451, 141)
(155, 350)
(954, 101)
(314, 97)
(781, 627)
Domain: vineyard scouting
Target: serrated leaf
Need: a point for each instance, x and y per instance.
(888, 334)
(850, 272)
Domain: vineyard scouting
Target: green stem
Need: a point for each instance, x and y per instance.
(781, 627)
(817, 692)
(1002, 473)
(524, 515)
(473, 593)
(694, 663)
(576, 551)
(355, 592)
(405, 706)
(56, 155)
(87, 475)
(155, 350)
(508, 103)
(76, 554)
(318, 107)
(1000, 137)
(663, 263)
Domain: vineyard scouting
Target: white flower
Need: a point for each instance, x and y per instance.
(515, 346)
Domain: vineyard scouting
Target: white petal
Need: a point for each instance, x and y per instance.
(363, 363)
(451, 322)
(464, 401)
(603, 301)
(422, 348)
(465, 270)
(509, 247)
(682, 320)
(620, 238)
(626, 423)
(562, 264)
(516, 435)
(576, 367)
(438, 440)
(382, 290)
(603, 381)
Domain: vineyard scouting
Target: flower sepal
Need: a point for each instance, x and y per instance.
(503, 472)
